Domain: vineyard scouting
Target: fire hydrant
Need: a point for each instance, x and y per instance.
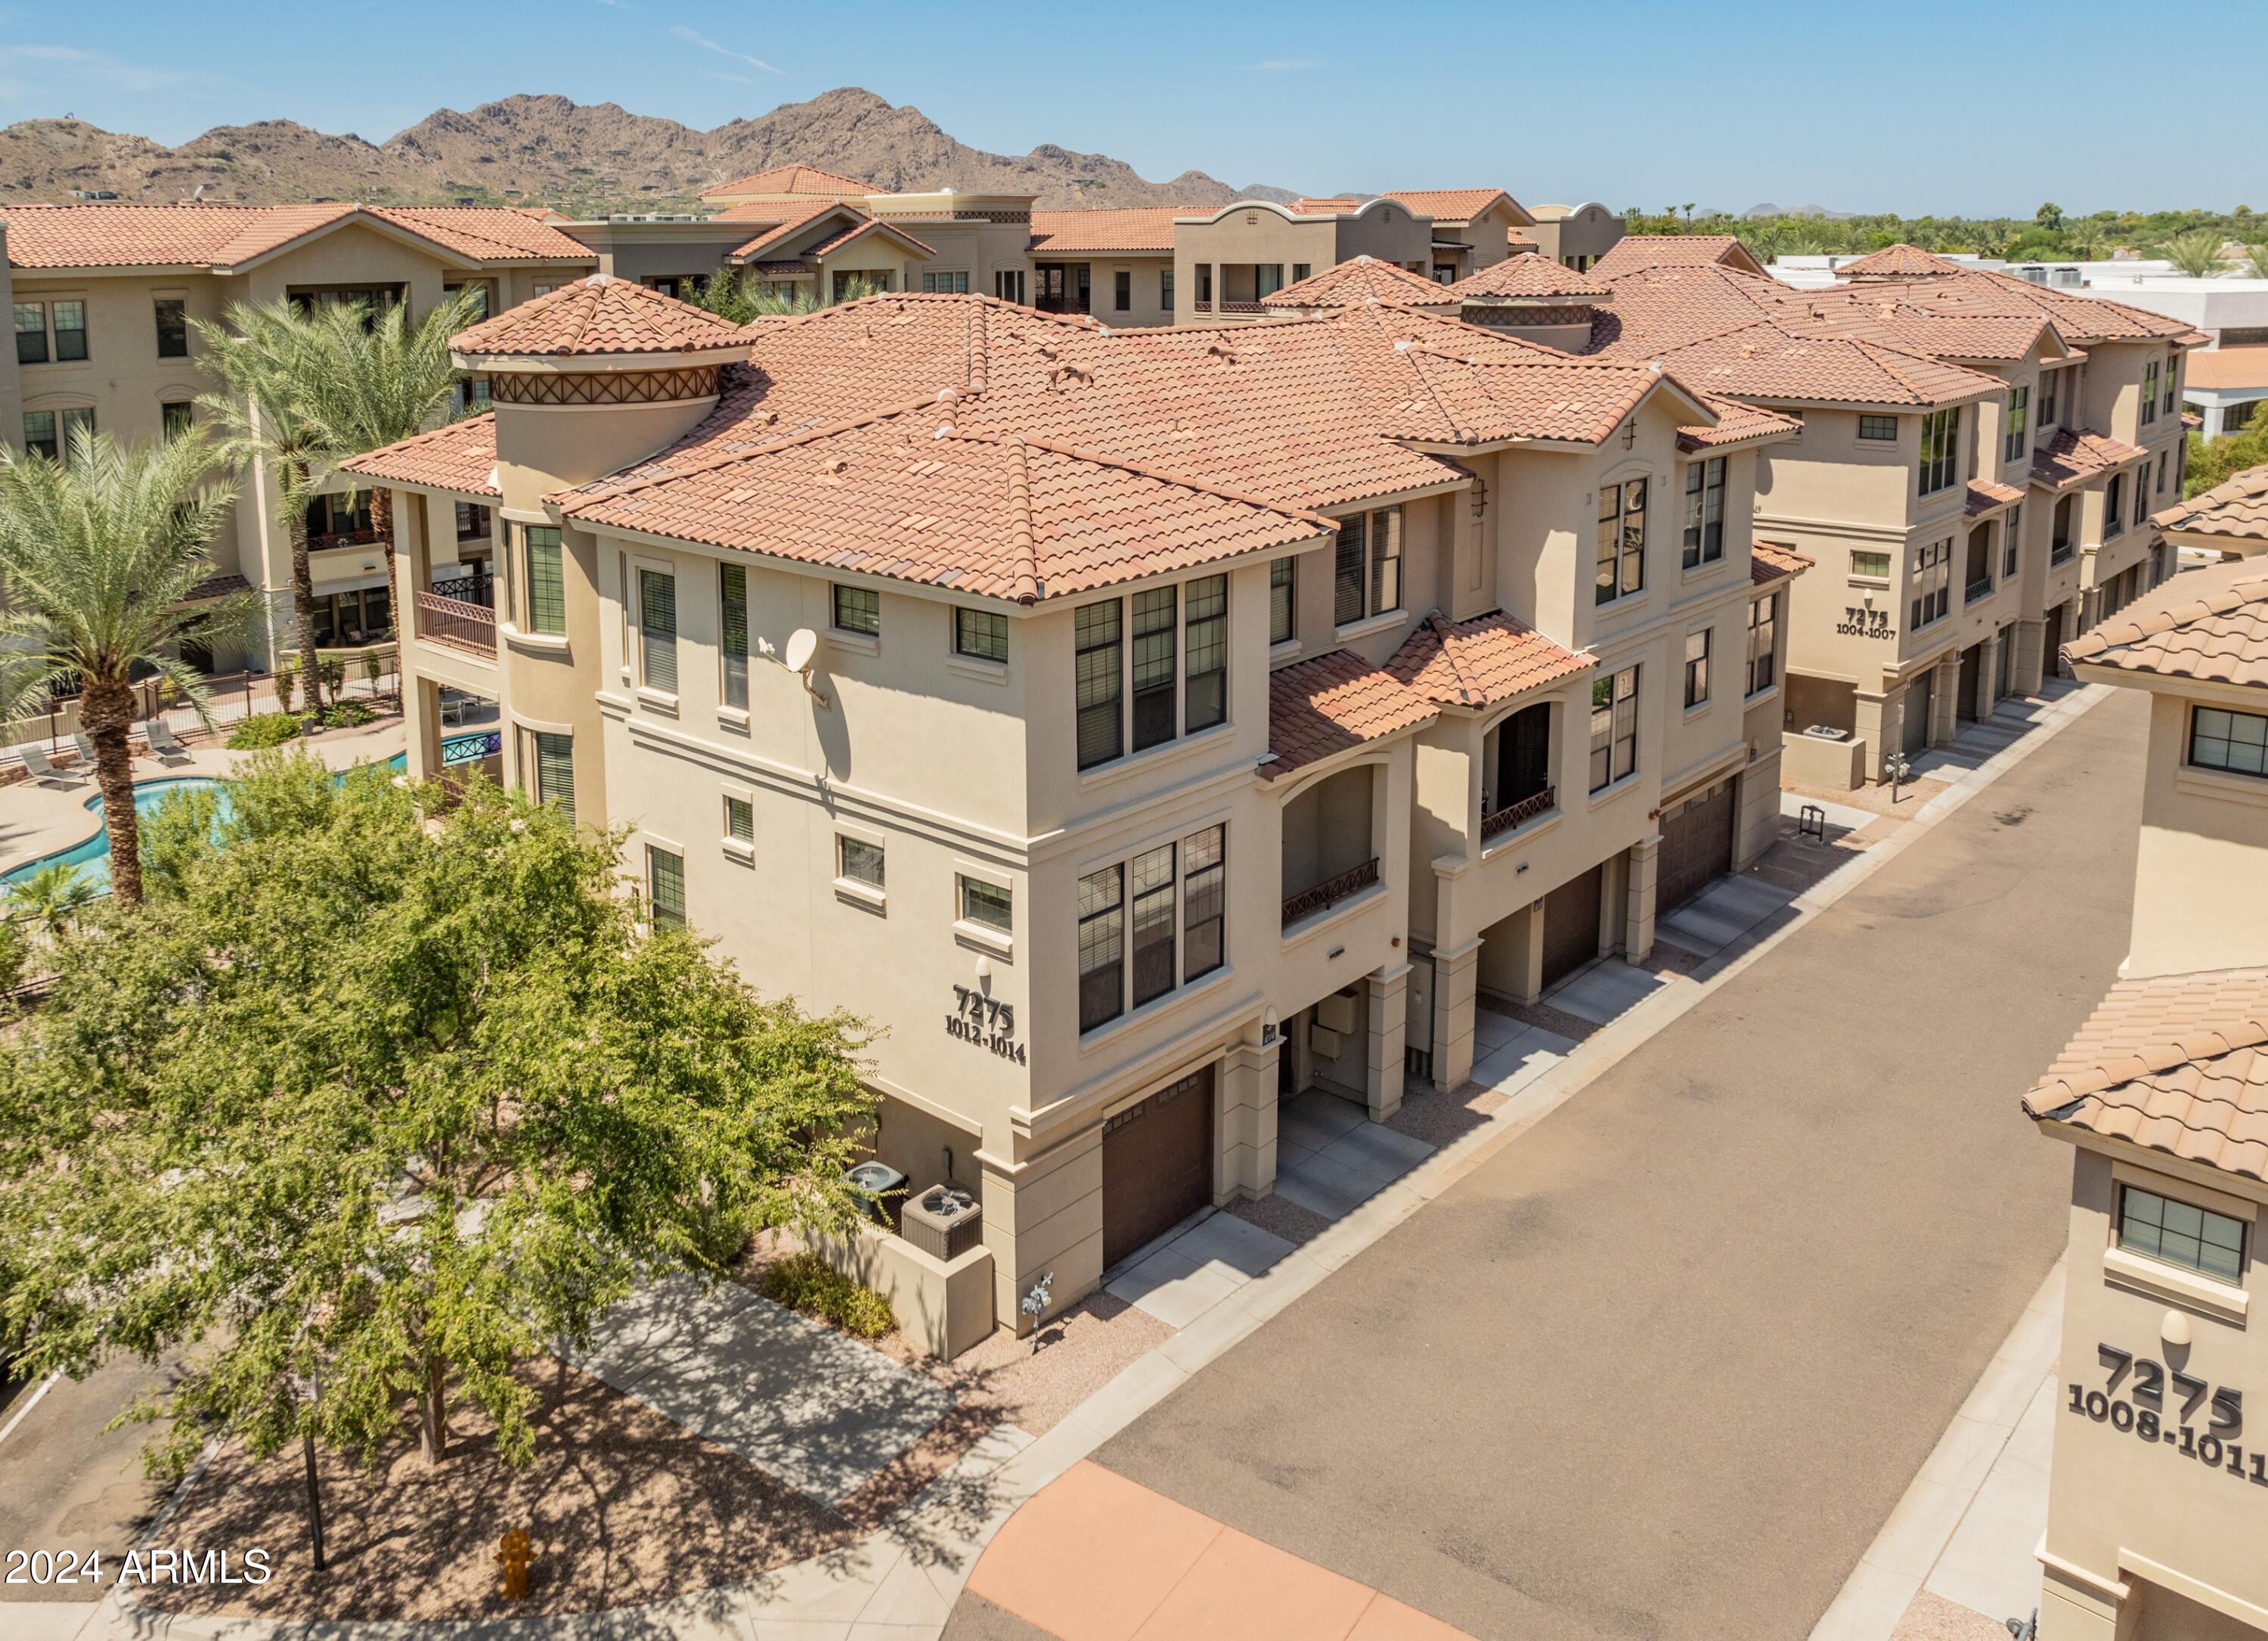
(513, 1555)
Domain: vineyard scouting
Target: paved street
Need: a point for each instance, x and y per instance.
(70, 1484)
(1663, 1367)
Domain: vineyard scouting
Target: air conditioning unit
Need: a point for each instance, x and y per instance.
(1323, 1042)
(1335, 1013)
(1827, 732)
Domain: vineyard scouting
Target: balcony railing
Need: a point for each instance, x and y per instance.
(1241, 307)
(2060, 552)
(476, 588)
(1981, 588)
(1330, 891)
(1518, 813)
(1202, 305)
(456, 622)
(342, 538)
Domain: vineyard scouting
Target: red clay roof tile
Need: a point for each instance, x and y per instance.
(2210, 625)
(460, 458)
(1483, 662)
(1322, 707)
(598, 315)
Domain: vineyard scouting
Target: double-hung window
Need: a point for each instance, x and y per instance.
(665, 875)
(1704, 512)
(953, 282)
(1165, 291)
(39, 436)
(2049, 381)
(658, 630)
(551, 770)
(980, 634)
(175, 417)
(2211, 1243)
(987, 906)
(740, 820)
(172, 328)
(31, 333)
(71, 332)
(1614, 727)
(1367, 578)
(2016, 441)
(2114, 506)
(1283, 601)
(857, 610)
(2012, 542)
(2173, 383)
(1150, 667)
(732, 632)
(1100, 667)
(1622, 541)
(1696, 667)
(2141, 497)
(1205, 647)
(1150, 925)
(1121, 291)
(1154, 657)
(1933, 583)
(547, 583)
(1763, 642)
(2236, 742)
(1940, 449)
(2150, 393)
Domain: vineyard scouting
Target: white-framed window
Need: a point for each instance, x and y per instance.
(980, 634)
(1622, 541)
(1614, 727)
(987, 906)
(1704, 512)
(732, 633)
(1121, 291)
(1367, 578)
(740, 819)
(858, 861)
(657, 630)
(2230, 741)
(1867, 565)
(1150, 924)
(546, 576)
(857, 610)
(1696, 667)
(2168, 1228)
(665, 878)
(1763, 642)
(550, 772)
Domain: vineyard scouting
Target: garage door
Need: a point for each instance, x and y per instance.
(1157, 1166)
(1697, 847)
(2051, 644)
(1972, 673)
(1571, 925)
(1915, 738)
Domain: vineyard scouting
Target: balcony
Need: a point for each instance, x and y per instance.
(1202, 305)
(1518, 813)
(458, 622)
(1330, 891)
(343, 539)
(1977, 589)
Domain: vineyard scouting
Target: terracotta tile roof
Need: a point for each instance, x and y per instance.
(790, 179)
(222, 236)
(1635, 251)
(1897, 261)
(597, 315)
(834, 242)
(2075, 456)
(1530, 277)
(2178, 1064)
(459, 457)
(784, 224)
(1768, 564)
(2210, 625)
(902, 494)
(1326, 206)
(2227, 367)
(219, 584)
(1880, 312)
(1482, 661)
(1318, 708)
(1986, 495)
(2081, 320)
(2234, 510)
(1448, 204)
(1737, 423)
(1144, 228)
(1358, 279)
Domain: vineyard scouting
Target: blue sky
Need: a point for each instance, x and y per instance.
(1923, 105)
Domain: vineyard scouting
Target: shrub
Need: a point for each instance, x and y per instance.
(806, 1283)
(263, 729)
(347, 715)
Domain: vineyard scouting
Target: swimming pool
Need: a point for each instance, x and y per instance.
(93, 856)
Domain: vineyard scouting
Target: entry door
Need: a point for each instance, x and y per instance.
(1571, 925)
(1048, 287)
(1920, 696)
(1697, 847)
(1157, 1166)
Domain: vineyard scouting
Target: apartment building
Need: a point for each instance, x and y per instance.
(2158, 1502)
(103, 298)
(1138, 727)
(1574, 236)
(1978, 465)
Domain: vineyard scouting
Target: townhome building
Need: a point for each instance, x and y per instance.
(1979, 461)
(1574, 236)
(103, 298)
(1136, 727)
(2158, 1497)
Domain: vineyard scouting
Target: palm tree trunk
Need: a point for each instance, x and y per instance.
(381, 521)
(106, 711)
(303, 606)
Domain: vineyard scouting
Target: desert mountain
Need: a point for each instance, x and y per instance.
(549, 151)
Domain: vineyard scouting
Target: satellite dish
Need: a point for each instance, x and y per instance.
(802, 649)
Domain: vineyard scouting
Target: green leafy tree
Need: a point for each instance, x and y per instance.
(2048, 216)
(264, 360)
(397, 1178)
(2197, 252)
(738, 296)
(98, 553)
(2214, 460)
(372, 380)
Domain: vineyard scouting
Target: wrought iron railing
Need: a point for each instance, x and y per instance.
(1228, 306)
(471, 589)
(1515, 813)
(1329, 892)
(342, 538)
(1977, 589)
(1202, 305)
(456, 623)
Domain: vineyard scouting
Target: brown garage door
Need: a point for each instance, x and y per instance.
(1697, 847)
(1972, 672)
(1914, 735)
(1571, 925)
(1157, 1166)
(2050, 663)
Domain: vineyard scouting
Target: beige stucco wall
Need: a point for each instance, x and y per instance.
(2201, 899)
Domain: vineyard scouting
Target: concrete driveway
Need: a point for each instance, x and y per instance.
(1662, 1368)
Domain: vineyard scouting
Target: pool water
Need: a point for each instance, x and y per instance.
(92, 857)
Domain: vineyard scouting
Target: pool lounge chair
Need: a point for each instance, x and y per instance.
(86, 749)
(163, 747)
(46, 773)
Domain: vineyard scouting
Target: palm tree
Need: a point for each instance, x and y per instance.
(731, 294)
(2256, 261)
(370, 383)
(98, 553)
(2086, 240)
(51, 897)
(264, 357)
(2197, 252)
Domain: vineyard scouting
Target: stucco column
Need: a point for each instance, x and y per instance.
(1456, 987)
(1388, 1001)
(1645, 857)
(1873, 722)
(2030, 639)
(1247, 1165)
(1044, 1213)
(1945, 701)
(1988, 673)
(2090, 610)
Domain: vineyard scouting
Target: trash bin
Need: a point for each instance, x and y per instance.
(872, 1181)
